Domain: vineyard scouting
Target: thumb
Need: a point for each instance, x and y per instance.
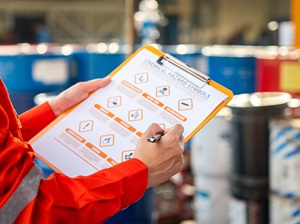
(97, 83)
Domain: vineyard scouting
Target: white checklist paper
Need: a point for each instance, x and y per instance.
(104, 129)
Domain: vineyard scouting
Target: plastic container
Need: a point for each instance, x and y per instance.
(211, 152)
(284, 210)
(285, 157)
(248, 211)
(211, 200)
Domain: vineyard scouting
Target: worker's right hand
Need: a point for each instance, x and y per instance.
(163, 158)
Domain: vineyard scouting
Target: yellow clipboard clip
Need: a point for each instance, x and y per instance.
(185, 67)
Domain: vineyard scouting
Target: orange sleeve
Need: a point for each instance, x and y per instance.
(35, 119)
(90, 199)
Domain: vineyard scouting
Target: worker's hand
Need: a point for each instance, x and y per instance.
(163, 158)
(75, 94)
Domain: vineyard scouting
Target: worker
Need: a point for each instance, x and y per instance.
(27, 198)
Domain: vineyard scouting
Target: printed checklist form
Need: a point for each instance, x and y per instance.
(103, 130)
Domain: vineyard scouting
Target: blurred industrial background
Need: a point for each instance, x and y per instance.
(244, 165)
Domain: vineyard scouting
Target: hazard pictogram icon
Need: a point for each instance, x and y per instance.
(163, 91)
(106, 140)
(135, 115)
(141, 77)
(185, 104)
(114, 101)
(85, 126)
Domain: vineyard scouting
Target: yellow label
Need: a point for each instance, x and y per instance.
(289, 77)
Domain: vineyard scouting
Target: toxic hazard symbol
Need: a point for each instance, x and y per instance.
(185, 104)
(141, 77)
(85, 126)
(114, 101)
(162, 91)
(106, 140)
(126, 155)
(135, 115)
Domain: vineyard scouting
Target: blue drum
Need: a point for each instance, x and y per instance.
(231, 66)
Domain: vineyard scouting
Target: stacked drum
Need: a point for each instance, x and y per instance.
(249, 181)
(211, 165)
(285, 169)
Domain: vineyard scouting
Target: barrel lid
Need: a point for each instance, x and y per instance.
(259, 99)
(229, 51)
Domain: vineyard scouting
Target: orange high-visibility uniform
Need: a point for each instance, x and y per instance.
(26, 198)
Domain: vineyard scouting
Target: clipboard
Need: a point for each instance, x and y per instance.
(148, 84)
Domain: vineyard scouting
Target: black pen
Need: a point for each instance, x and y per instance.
(155, 138)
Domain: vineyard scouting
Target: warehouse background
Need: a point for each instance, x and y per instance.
(190, 21)
(243, 166)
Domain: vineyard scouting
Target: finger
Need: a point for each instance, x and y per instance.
(97, 83)
(181, 139)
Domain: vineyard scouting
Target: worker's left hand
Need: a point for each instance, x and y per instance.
(76, 94)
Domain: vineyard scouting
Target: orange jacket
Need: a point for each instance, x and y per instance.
(60, 199)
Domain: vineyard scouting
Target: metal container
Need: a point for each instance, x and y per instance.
(250, 116)
(231, 66)
(97, 60)
(28, 70)
(278, 69)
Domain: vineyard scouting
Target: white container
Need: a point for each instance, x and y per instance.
(211, 200)
(285, 157)
(284, 210)
(210, 147)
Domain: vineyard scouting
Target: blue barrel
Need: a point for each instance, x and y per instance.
(140, 212)
(97, 62)
(232, 66)
(28, 70)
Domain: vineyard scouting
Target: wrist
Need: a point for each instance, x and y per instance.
(55, 107)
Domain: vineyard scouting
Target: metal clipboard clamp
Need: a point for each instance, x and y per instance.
(184, 67)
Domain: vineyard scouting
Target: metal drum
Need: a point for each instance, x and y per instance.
(250, 118)
(28, 70)
(231, 66)
(278, 70)
(98, 60)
